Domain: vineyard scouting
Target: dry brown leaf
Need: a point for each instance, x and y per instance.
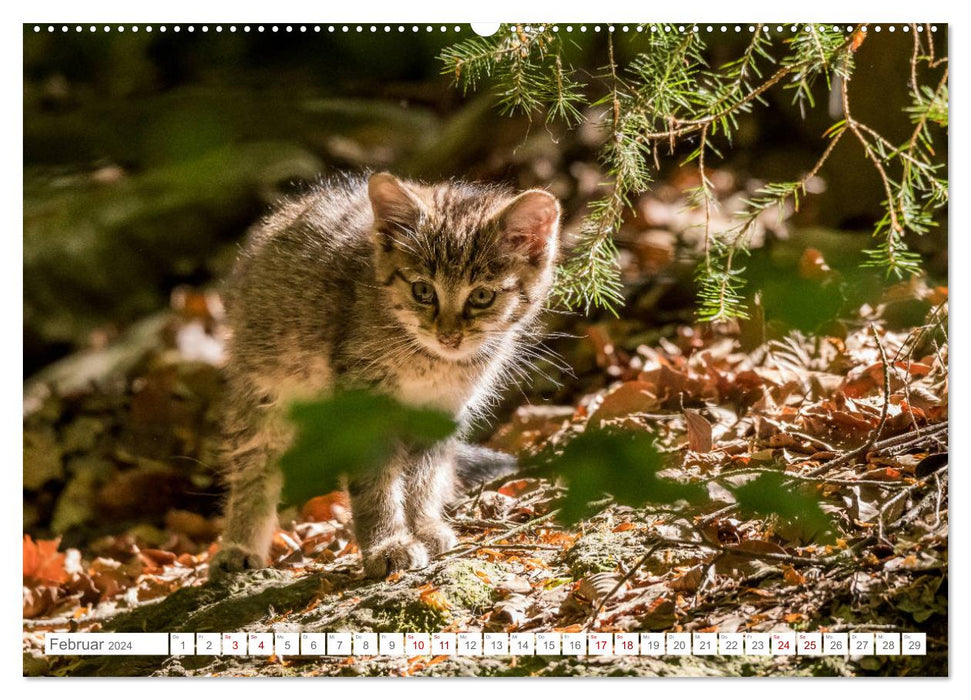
(191, 525)
(39, 600)
(883, 474)
(156, 559)
(482, 576)
(331, 506)
(699, 431)
(514, 585)
(622, 401)
(517, 487)
(594, 587)
(689, 581)
(510, 611)
(812, 265)
(557, 538)
(42, 562)
(792, 577)
(731, 562)
(317, 543)
(432, 597)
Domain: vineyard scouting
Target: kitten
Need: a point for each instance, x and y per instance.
(424, 292)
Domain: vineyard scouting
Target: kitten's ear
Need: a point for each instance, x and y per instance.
(394, 206)
(531, 222)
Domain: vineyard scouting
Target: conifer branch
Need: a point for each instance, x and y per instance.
(668, 96)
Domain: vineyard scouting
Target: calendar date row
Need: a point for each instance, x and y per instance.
(410, 644)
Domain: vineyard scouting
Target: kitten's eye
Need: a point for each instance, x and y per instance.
(481, 298)
(423, 293)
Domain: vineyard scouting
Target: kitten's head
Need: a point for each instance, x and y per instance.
(464, 265)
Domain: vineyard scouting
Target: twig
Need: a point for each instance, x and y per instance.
(620, 584)
(479, 523)
(691, 126)
(706, 193)
(550, 547)
(704, 577)
(914, 85)
(771, 556)
(884, 412)
(462, 551)
(881, 171)
(704, 520)
(816, 441)
(897, 441)
(755, 471)
(934, 496)
(884, 509)
(885, 409)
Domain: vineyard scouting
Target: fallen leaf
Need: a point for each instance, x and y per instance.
(510, 611)
(792, 577)
(157, 559)
(689, 581)
(432, 597)
(883, 474)
(332, 506)
(38, 600)
(483, 576)
(595, 587)
(699, 431)
(42, 562)
(190, 524)
(625, 399)
(812, 265)
(516, 488)
(514, 585)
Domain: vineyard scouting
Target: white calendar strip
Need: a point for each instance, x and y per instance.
(284, 644)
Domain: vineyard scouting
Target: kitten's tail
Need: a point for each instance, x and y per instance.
(476, 465)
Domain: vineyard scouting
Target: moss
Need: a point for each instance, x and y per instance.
(602, 550)
(414, 616)
(390, 608)
(463, 586)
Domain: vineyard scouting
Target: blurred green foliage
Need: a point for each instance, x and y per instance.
(350, 433)
(623, 464)
(357, 431)
(769, 494)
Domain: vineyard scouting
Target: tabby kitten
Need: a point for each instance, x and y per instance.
(424, 292)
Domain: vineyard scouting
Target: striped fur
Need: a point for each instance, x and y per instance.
(324, 296)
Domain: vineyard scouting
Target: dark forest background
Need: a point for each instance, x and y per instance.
(148, 154)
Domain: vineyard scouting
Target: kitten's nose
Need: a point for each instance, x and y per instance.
(450, 340)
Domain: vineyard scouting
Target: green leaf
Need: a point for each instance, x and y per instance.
(350, 433)
(770, 495)
(625, 465)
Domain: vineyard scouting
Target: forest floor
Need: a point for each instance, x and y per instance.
(119, 442)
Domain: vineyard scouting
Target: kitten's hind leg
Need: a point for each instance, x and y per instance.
(377, 502)
(431, 485)
(251, 519)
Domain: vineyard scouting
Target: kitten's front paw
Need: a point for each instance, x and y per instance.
(232, 559)
(397, 554)
(436, 536)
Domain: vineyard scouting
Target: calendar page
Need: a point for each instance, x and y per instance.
(527, 348)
